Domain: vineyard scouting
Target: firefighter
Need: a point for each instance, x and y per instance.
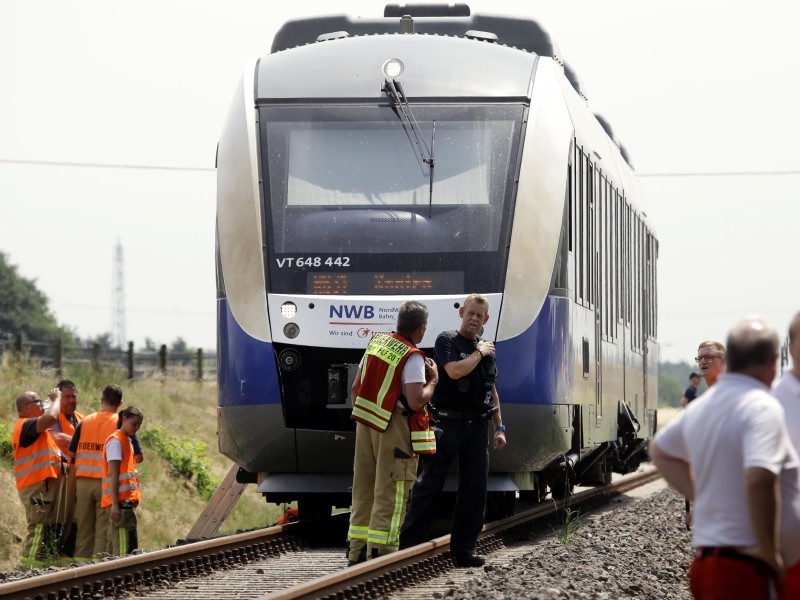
(121, 492)
(394, 383)
(86, 449)
(38, 474)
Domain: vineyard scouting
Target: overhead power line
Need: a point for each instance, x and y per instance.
(721, 174)
(58, 163)
(93, 165)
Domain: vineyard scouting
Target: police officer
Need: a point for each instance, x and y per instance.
(465, 402)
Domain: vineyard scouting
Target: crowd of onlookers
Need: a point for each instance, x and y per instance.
(76, 476)
(733, 454)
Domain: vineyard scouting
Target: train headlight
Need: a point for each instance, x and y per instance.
(289, 359)
(288, 309)
(291, 330)
(393, 67)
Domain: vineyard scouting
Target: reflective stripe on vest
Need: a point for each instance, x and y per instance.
(380, 379)
(423, 440)
(95, 430)
(39, 461)
(128, 480)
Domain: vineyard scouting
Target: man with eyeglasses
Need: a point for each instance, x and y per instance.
(37, 470)
(731, 452)
(711, 360)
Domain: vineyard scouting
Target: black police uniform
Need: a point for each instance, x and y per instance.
(464, 416)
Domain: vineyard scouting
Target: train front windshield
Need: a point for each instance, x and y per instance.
(352, 208)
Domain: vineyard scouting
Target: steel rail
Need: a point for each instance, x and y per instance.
(115, 576)
(367, 578)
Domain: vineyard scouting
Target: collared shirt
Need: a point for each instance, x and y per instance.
(737, 424)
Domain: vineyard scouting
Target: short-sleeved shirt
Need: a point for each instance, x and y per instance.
(113, 449)
(468, 392)
(690, 393)
(413, 370)
(734, 426)
(29, 435)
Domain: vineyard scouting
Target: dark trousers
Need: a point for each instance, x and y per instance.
(468, 441)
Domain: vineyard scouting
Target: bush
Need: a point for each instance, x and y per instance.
(187, 458)
(6, 451)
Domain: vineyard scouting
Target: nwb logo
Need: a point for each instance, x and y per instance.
(345, 311)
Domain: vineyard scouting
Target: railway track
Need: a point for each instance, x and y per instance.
(269, 563)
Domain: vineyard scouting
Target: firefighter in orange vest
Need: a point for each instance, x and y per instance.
(394, 383)
(63, 429)
(37, 470)
(121, 492)
(86, 450)
(62, 432)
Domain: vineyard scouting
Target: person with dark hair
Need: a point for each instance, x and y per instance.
(62, 432)
(38, 474)
(390, 394)
(63, 429)
(121, 491)
(787, 391)
(86, 451)
(464, 402)
(691, 391)
(731, 453)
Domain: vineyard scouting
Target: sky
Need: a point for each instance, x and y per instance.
(110, 114)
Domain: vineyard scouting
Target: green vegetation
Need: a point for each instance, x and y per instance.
(183, 410)
(24, 309)
(6, 452)
(673, 378)
(568, 535)
(186, 458)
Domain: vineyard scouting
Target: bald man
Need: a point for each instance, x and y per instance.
(37, 470)
(730, 452)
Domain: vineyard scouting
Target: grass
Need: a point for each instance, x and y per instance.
(183, 413)
(568, 534)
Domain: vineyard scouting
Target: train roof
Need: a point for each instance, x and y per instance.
(456, 20)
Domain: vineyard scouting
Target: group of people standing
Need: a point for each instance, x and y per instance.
(76, 476)
(733, 452)
(395, 500)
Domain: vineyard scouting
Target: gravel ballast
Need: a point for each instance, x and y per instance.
(637, 547)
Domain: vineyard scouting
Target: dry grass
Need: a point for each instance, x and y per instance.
(170, 504)
(665, 415)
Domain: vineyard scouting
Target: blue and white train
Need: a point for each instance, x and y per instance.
(428, 154)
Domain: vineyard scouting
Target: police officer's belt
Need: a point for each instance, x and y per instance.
(460, 415)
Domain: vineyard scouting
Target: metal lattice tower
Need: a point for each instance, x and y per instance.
(118, 299)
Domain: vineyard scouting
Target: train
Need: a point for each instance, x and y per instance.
(429, 154)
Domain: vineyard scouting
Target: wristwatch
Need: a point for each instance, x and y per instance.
(500, 428)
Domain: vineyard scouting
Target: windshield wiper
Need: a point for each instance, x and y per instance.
(394, 90)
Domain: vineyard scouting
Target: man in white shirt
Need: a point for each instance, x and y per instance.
(787, 391)
(730, 452)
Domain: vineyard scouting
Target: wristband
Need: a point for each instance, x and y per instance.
(500, 428)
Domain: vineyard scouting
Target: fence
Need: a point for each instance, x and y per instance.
(198, 365)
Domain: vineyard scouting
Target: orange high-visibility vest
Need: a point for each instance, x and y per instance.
(95, 430)
(128, 488)
(39, 461)
(66, 426)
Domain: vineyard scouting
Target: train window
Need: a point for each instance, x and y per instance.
(347, 183)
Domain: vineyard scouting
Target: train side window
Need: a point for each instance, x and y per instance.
(585, 358)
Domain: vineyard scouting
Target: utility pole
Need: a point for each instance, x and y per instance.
(118, 299)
